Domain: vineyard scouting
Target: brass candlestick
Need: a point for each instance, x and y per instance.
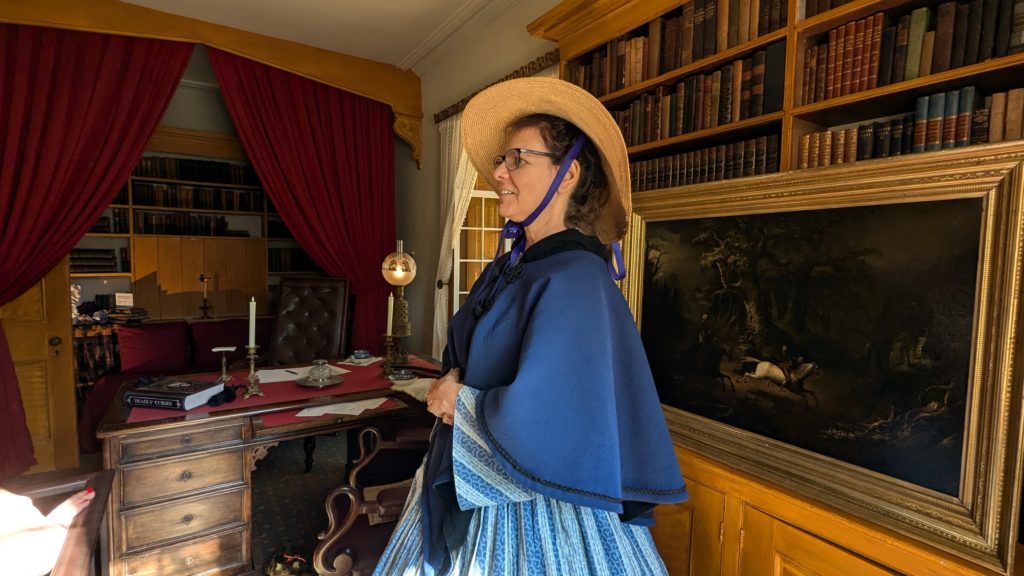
(388, 345)
(253, 388)
(394, 354)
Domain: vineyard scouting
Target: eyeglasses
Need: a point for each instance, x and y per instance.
(513, 157)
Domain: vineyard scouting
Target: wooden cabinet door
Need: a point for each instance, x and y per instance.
(167, 269)
(771, 547)
(689, 535)
(38, 329)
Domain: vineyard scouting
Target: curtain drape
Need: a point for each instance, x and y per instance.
(326, 158)
(457, 181)
(77, 111)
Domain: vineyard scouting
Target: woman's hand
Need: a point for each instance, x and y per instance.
(442, 394)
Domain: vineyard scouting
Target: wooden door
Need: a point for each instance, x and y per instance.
(689, 535)
(38, 328)
(773, 548)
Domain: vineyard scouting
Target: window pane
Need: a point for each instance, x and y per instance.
(472, 251)
(464, 242)
(490, 243)
(473, 272)
(474, 215)
(462, 299)
(491, 217)
(464, 282)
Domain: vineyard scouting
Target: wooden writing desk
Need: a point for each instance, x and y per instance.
(182, 499)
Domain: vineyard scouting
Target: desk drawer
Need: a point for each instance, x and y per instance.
(159, 480)
(181, 440)
(216, 555)
(177, 519)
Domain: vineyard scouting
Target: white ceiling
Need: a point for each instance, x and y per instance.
(403, 33)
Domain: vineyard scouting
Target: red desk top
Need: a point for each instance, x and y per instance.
(358, 379)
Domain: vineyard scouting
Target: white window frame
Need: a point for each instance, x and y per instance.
(458, 257)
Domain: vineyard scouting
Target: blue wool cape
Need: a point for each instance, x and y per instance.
(569, 407)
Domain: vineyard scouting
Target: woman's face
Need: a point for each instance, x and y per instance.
(522, 190)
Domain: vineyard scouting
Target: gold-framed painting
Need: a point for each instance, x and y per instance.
(851, 334)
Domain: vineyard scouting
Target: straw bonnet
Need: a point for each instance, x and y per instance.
(491, 111)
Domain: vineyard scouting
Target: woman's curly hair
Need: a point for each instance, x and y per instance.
(591, 192)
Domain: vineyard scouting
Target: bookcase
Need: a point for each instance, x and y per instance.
(177, 218)
(818, 84)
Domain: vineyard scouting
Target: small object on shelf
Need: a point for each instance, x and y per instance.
(224, 376)
(253, 387)
(172, 393)
(399, 374)
(205, 308)
(361, 354)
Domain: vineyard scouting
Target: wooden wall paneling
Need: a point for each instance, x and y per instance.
(145, 261)
(215, 265)
(236, 288)
(192, 265)
(44, 371)
(689, 535)
(673, 524)
(797, 552)
(172, 304)
(756, 536)
(256, 273)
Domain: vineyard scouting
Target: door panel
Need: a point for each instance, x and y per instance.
(31, 321)
(688, 535)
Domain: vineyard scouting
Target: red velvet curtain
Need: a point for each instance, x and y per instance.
(326, 158)
(77, 111)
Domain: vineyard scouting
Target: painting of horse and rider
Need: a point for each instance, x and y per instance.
(845, 331)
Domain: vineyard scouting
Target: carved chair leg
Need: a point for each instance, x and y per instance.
(309, 445)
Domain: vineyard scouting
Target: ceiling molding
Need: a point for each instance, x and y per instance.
(490, 12)
(453, 27)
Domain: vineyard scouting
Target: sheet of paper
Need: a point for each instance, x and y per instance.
(269, 375)
(344, 408)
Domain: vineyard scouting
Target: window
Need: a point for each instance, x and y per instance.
(478, 239)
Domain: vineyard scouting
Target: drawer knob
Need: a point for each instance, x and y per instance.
(190, 561)
(188, 518)
(186, 475)
(186, 440)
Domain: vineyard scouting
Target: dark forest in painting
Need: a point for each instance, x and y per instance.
(846, 332)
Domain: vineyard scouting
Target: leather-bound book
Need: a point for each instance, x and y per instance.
(920, 124)
(777, 19)
(686, 33)
(820, 79)
(755, 17)
(874, 29)
(1017, 28)
(698, 29)
(936, 114)
(974, 17)
(959, 46)
(710, 28)
(825, 148)
(749, 155)
(909, 126)
(997, 117)
(1004, 23)
(714, 103)
(949, 118)
(764, 17)
(850, 153)
(757, 84)
(809, 75)
(989, 17)
(866, 141)
(882, 135)
(838, 147)
(859, 53)
(814, 153)
(896, 137)
(899, 56)
(920, 20)
(725, 95)
(980, 122)
(848, 52)
(1014, 114)
(760, 155)
(737, 89)
(942, 53)
(830, 68)
(772, 154)
(743, 22)
(729, 28)
(804, 151)
(885, 56)
(926, 53)
(964, 113)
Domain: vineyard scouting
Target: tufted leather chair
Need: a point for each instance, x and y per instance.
(311, 321)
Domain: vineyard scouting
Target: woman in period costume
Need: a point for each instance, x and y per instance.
(552, 450)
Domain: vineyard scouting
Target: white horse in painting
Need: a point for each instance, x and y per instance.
(791, 380)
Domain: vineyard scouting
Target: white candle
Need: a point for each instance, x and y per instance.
(252, 321)
(391, 311)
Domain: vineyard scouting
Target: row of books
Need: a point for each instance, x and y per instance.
(181, 223)
(290, 260)
(116, 223)
(750, 157)
(84, 260)
(128, 315)
(697, 29)
(742, 89)
(866, 53)
(276, 228)
(814, 7)
(195, 170)
(199, 197)
(949, 119)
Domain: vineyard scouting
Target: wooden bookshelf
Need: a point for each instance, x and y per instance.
(690, 536)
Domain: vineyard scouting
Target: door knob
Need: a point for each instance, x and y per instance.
(55, 341)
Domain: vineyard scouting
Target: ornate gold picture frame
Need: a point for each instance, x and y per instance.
(948, 377)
